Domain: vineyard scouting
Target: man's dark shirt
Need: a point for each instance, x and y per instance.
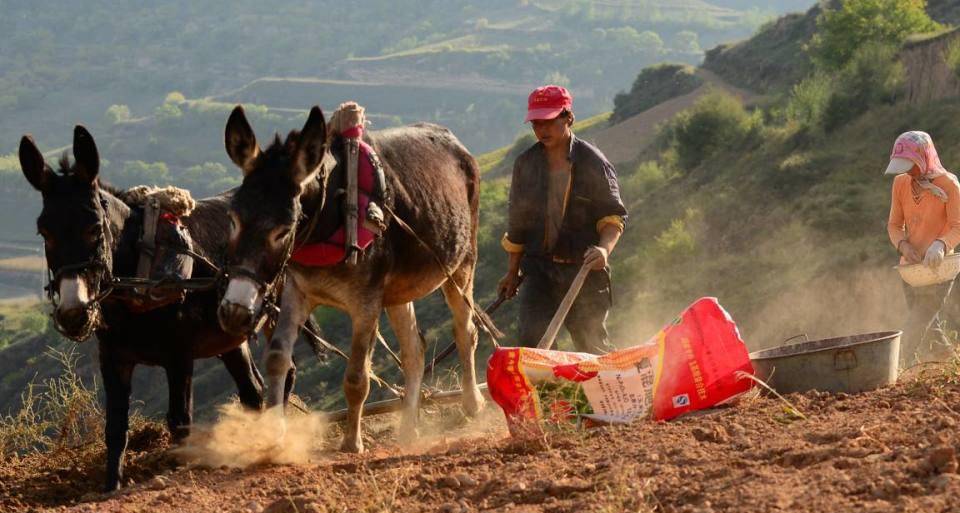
(594, 196)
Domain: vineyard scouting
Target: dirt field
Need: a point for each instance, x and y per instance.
(891, 450)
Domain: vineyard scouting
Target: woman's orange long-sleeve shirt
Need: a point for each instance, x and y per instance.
(926, 219)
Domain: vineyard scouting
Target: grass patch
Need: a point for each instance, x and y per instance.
(492, 159)
(587, 126)
(56, 414)
(20, 320)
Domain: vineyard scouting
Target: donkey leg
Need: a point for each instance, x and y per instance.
(117, 375)
(180, 406)
(465, 333)
(404, 322)
(290, 380)
(356, 379)
(279, 356)
(239, 363)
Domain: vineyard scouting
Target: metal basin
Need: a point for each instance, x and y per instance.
(843, 364)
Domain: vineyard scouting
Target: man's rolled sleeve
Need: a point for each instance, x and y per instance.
(509, 246)
(611, 209)
(613, 220)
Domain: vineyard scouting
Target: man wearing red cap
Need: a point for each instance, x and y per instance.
(565, 210)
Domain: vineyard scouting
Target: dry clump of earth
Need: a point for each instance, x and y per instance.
(890, 450)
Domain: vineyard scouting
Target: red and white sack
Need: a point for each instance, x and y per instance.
(689, 365)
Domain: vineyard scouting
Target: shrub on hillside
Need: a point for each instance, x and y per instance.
(842, 32)
(952, 56)
(808, 101)
(716, 122)
(520, 145)
(874, 76)
(677, 243)
(652, 86)
(648, 175)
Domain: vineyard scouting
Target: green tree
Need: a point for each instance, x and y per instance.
(168, 111)
(716, 122)
(687, 41)
(841, 32)
(117, 114)
(874, 76)
(557, 78)
(136, 172)
(174, 97)
(651, 43)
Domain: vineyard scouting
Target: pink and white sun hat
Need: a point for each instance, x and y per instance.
(915, 148)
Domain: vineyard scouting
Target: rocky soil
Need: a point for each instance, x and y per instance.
(890, 450)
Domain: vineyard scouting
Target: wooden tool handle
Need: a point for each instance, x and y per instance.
(352, 203)
(547, 340)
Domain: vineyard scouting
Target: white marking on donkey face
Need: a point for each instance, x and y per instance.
(244, 292)
(73, 293)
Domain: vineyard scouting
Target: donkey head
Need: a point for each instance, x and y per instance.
(75, 232)
(265, 210)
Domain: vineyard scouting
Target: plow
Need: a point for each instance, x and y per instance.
(436, 397)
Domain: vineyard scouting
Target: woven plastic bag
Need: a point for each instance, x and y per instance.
(690, 364)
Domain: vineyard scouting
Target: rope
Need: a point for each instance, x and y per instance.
(483, 320)
(275, 310)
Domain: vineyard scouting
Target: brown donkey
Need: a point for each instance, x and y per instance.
(434, 184)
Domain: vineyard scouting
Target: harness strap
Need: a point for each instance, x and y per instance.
(483, 320)
(148, 236)
(351, 203)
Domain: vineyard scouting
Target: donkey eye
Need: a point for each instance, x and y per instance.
(282, 234)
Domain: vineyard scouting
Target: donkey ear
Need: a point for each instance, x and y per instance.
(240, 141)
(85, 154)
(311, 148)
(32, 164)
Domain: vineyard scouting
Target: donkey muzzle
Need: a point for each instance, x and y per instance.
(235, 319)
(73, 322)
(239, 305)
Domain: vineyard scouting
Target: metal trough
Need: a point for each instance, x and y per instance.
(843, 364)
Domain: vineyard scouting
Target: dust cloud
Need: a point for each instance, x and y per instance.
(832, 305)
(241, 438)
(864, 301)
(442, 429)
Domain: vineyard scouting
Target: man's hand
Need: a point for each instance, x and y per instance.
(909, 252)
(935, 252)
(509, 284)
(596, 257)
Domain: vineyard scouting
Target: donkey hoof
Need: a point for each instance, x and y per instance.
(179, 433)
(352, 446)
(472, 406)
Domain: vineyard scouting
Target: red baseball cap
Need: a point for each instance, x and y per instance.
(547, 102)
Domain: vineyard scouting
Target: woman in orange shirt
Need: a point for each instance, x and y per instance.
(924, 225)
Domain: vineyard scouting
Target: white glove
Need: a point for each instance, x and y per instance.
(934, 256)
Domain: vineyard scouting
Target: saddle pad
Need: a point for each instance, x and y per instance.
(332, 251)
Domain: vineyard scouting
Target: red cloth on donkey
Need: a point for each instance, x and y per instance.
(332, 250)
